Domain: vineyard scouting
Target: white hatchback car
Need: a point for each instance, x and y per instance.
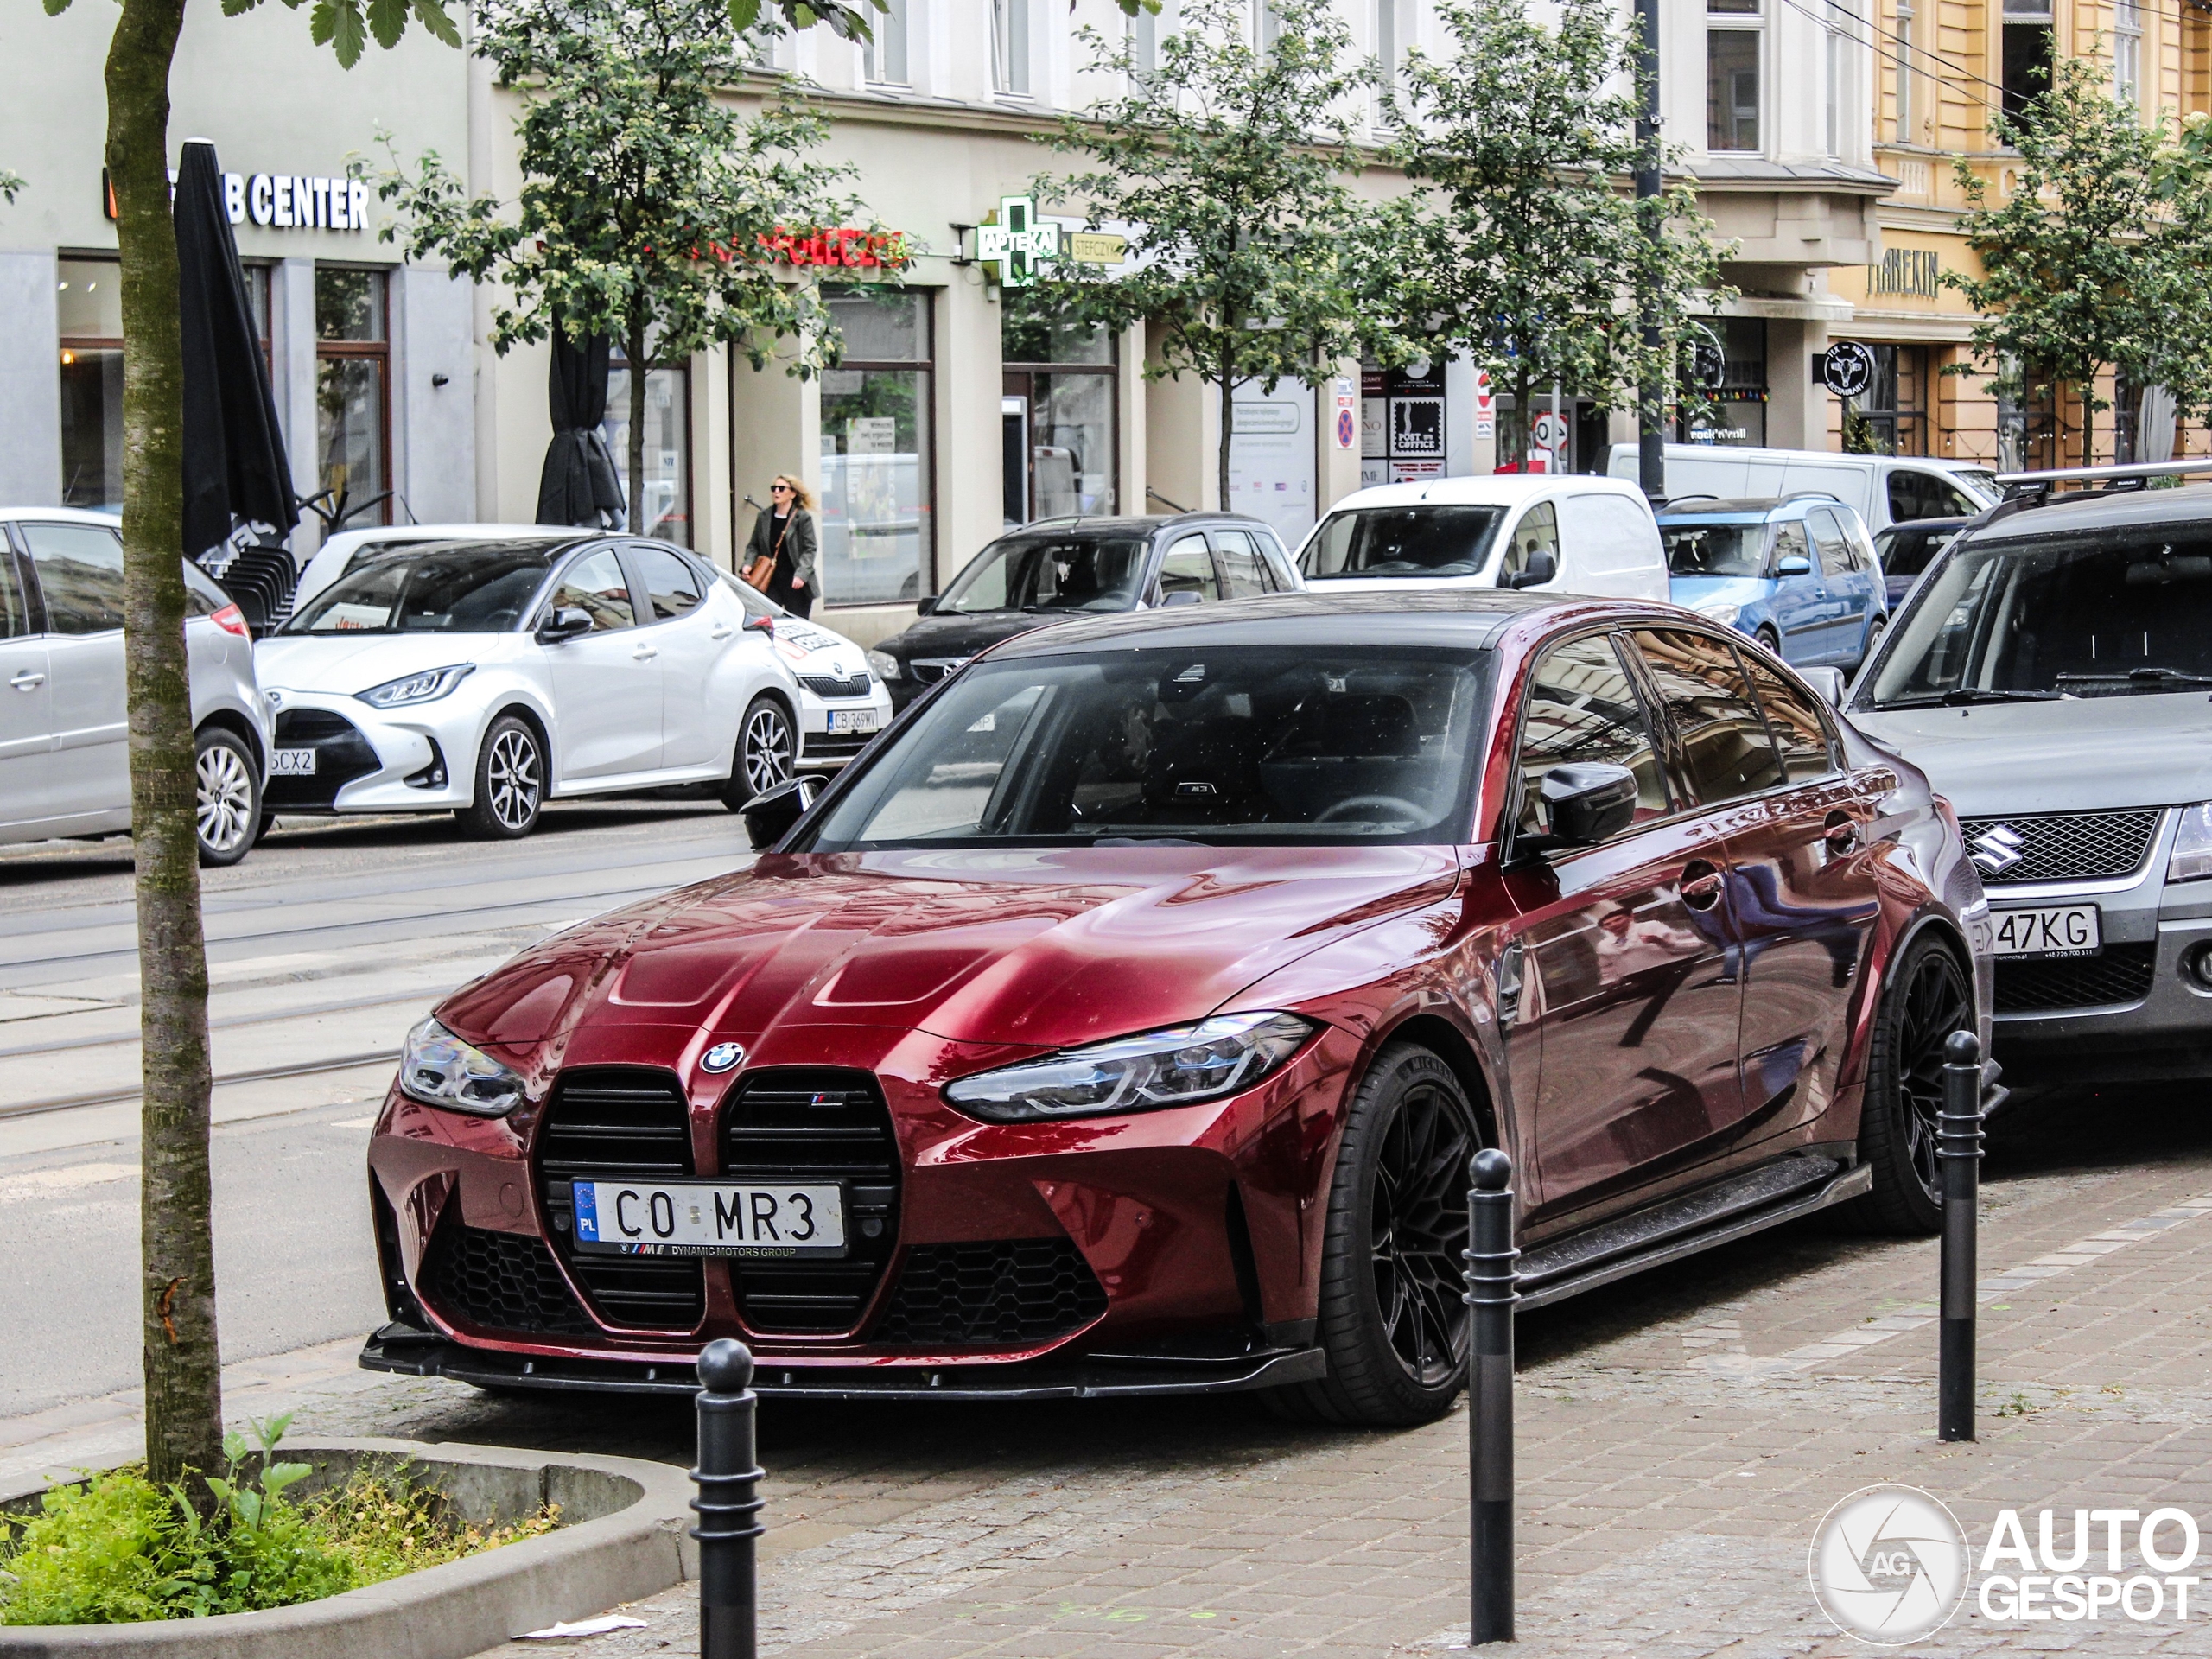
(486, 674)
(64, 729)
(1560, 532)
(840, 704)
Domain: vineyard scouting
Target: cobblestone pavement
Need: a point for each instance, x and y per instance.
(1680, 1436)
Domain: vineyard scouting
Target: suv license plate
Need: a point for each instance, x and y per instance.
(2051, 931)
(709, 1219)
(853, 720)
(291, 763)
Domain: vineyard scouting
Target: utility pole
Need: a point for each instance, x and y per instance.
(1651, 396)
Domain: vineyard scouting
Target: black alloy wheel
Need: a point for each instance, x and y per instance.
(1925, 997)
(767, 751)
(226, 790)
(1392, 1321)
(510, 782)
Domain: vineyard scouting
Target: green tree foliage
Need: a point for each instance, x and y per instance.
(1230, 166)
(2096, 259)
(1530, 255)
(649, 204)
(11, 183)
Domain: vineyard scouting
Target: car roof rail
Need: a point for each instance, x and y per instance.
(1811, 495)
(2036, 488)
(1694, 495)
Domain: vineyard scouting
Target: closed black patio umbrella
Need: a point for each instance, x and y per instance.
(579, 485)
(235, 467)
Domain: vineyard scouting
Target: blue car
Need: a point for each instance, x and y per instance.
(1799, 576)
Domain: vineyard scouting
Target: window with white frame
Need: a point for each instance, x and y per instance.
(1904, 87)
(1144, 40)
(884, 56)
(1393, 35)
(2127, 51)
(1735, 41)
(1010, 47)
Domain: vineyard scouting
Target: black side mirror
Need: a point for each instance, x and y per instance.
(1587, 802)
(565, 624)
(926, 606)
(1543, 566)
(769, 818)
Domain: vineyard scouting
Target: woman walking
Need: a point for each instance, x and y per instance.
(781, 559)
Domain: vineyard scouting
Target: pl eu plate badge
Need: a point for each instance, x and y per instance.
(723, 1056)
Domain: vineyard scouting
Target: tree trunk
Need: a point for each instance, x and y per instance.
(1227, 428)
(634, 348)
(184, 1383)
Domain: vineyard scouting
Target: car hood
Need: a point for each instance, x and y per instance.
(1031, 946)
(348, 663)
(964, 636)
(1697, 592)
(2075, 755)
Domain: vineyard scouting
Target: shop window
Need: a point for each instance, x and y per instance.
(884, 55)
(667, 499)
(1010, 47)
(353, 386)
(1891, 419)
(89, 300)
(1733, 50)
(1736, 406)
(877, 526)
(2026, 71)
(1060, 400)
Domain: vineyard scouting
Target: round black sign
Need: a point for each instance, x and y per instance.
(1708, 363)
(1847, 368)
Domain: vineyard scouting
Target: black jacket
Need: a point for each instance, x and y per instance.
(798, 542)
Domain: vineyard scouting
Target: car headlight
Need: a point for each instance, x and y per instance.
(885, 664)
(2192, 854)
(1136, 1074)
(426, 687)
(1723, 614)
(438, 1069)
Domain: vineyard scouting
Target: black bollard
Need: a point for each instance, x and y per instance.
(1958, 1150)
(1492, 1293)
(728, 1504)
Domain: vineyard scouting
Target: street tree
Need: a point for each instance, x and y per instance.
(2093, 261)
(1229, 166)
(10, 184)
(184, 1427)
(1529, 255)
(651, 209)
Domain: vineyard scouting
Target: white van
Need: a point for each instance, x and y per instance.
(1548, 533)
(1885, 490)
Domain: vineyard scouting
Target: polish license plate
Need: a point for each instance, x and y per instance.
(853, 720)
(709, 1219)
(2050, 931)
(291, 763)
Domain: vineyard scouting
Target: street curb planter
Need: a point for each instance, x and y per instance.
(622, 1538)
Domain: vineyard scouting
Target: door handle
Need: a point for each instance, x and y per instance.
(645, 653)
(28, 680)
(1701, 886)
(721, 633)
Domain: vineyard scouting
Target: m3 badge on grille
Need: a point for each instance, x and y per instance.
(1998, 848)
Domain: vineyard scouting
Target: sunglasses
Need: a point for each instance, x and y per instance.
(779, 489)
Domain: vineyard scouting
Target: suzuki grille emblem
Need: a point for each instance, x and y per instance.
(723, 1056)
(1998, 849)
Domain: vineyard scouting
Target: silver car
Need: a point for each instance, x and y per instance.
(65, 752)
(2050, 673)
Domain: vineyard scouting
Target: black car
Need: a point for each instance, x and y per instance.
(1058, 569)
(1906, 549)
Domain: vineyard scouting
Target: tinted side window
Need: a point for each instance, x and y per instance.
(202, 595)
(14, 605)
(1242, 575)
(1278, 565)
(1188, 568)
(1726, 749)
(1836, 558)
(1795, 719)
(671, 586)
(1537, 532)
(1789, 542)
(1583, 706)
(595, 585)
(80, 572)
(1924, 495)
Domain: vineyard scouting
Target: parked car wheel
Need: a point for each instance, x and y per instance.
(227, 796)
(768, 750)
(510, 782)
(1925, 997)
(1874, 632)
(1393, 1324)
(1767, 637)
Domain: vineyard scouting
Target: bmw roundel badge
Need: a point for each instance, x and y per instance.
(723, 1056)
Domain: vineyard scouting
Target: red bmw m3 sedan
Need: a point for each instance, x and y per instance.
(1123, 1021)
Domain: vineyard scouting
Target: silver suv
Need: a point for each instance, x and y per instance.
(2050, 673)
(65, 752)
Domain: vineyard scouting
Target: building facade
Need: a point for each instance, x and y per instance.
(952, 415)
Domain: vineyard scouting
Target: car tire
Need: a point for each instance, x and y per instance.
(1926, 995)
(510, 782)
(767, 753)
(1767, 637)
(1874, 632)
(226, 797)
(1392, 1323)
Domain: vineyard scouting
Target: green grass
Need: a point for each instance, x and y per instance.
(119, 1549)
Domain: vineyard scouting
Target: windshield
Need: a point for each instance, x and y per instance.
(1418, 541)
(1302, 744)
(475, 589)
(1715, 549)
(2059, 618)
(1065, 572)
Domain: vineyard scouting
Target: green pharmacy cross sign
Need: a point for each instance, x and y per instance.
(1018, 241)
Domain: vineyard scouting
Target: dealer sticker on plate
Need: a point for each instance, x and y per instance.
(2050, 930)
(709, 1219)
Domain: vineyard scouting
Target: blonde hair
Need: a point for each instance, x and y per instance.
(801, 496)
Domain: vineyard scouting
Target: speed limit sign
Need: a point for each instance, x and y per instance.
(1549, 431)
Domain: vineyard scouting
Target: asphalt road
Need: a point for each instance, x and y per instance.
(324, 946)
